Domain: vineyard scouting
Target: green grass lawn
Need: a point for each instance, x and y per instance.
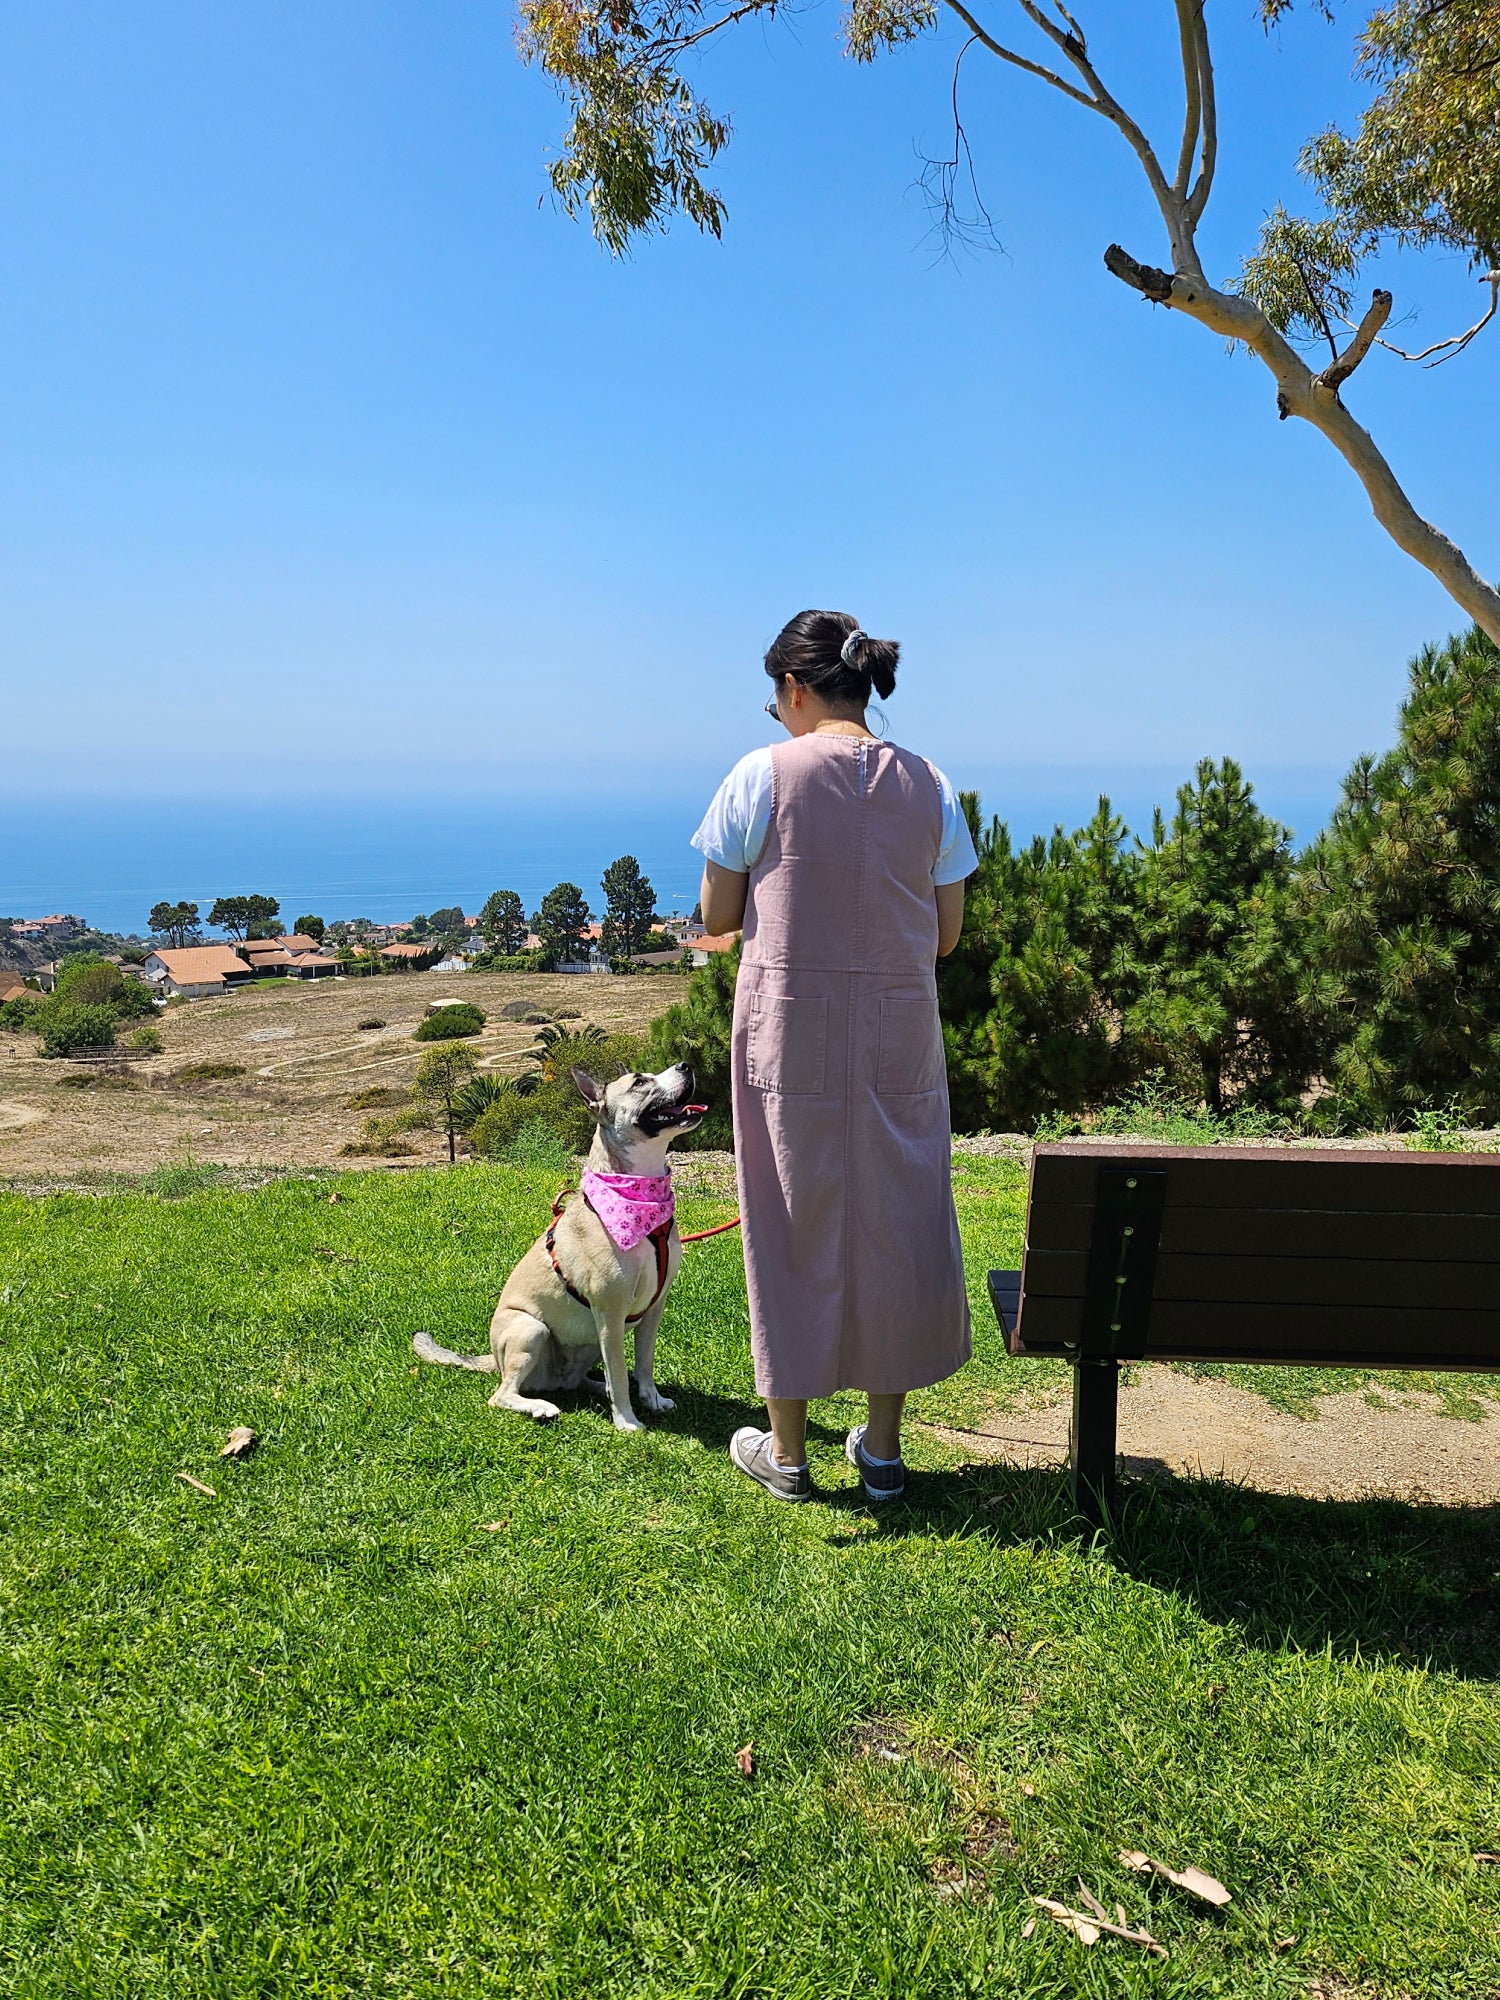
(434, 1701)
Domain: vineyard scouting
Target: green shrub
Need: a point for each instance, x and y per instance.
(147, 1041)
(373, 1022)
(514, 961)
(477, 1095)
(373, 1099)
(552, 1102)
(91, 981)
(19, 1015)
(68, 1025)
(497, 1125)
(98, 1079)
(207, 1072)
(537, 1145)
(450, 1023)
(528, 1011)
(696, 1030)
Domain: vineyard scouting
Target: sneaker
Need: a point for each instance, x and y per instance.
(882, 1482)
(751, 1452)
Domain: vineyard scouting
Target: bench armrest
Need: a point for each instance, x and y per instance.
(1005, 1297)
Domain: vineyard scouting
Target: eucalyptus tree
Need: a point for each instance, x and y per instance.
(1423, 171)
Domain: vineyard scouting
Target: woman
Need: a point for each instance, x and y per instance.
(844, 859)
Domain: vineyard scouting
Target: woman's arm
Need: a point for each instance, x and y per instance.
(950, 909)
(722, 900)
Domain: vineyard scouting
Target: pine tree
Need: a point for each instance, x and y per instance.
(1028, 996)
(629, 908)
(502, 921)
(1402, 895)
(697, 1030)
(562, 923)
(1213, 998)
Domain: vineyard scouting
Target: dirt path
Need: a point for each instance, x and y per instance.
(1206, 1428)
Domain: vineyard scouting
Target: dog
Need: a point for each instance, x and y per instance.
(574, 1292)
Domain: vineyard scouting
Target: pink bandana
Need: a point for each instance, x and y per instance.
(630, 1206)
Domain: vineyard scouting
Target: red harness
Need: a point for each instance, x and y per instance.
(659, 1239)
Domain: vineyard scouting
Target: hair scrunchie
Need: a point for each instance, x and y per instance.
(847, 650)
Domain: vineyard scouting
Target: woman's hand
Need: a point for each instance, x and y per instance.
(722, 900)
(950, 909)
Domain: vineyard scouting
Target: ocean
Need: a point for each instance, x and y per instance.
(389, 855)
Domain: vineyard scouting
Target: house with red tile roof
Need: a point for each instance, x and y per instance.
(197, 970)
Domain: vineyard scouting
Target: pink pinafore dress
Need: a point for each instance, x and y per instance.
(843, 1143)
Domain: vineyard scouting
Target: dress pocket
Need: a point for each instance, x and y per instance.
(911, 1048)
(786, 1049)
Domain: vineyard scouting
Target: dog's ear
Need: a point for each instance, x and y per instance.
(591, 1092)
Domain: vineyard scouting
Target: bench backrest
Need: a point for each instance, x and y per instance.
(1264, 1253)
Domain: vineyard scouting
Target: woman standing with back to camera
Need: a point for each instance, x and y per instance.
(844, 859)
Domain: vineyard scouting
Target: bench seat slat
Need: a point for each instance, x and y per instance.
(1287, 1232)
(1309, 1335)
(1279, 1177)
(1279, 1281)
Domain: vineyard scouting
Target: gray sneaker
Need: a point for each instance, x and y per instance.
(882, 1482)
(751, 1451)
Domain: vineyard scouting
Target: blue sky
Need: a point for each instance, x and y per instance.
(332, 453)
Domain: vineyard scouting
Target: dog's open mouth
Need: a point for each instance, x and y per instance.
(672, 1117)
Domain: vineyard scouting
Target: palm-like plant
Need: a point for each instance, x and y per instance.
(558, 1049)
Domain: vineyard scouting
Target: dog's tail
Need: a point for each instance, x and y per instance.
(427, 1349)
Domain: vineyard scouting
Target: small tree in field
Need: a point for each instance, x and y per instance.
(562, 923)
(176, 924)
(503, 922)
(313, 927)
(441, 1076)
(629, 908)
(1423, 171)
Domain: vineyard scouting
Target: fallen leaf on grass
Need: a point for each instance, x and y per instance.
(746, 1760)
(1192, 1879)
(494, 1527)
(335, 1197)
(1082, 1927)
(1028, 1927)
(197, 1485)
(1122, 1929)
(1284, 1944)
(1486, 1859)
(242, 1441)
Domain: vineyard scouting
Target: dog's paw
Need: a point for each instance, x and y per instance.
(627, 1420)
(654, 1401)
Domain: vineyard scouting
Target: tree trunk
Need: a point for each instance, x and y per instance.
(1301, 393)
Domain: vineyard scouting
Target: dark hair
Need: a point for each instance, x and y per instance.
(827, 650)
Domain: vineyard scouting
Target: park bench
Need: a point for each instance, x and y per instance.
(1274, 1254)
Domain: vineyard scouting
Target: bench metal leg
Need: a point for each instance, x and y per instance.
(1091, 1440)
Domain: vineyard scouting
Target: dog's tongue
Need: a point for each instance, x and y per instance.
(695, 1107)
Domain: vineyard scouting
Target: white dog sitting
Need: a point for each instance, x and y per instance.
(607, 1261)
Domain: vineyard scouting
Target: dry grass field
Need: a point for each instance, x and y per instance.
(298, 1055)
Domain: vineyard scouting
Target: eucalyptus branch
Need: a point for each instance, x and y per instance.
(1188, 12)
(1209, 156)
(1317, 305)
(1343, 365)
(667, 47)
(999, 49)
(1455, 344)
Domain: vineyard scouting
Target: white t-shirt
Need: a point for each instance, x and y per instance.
(734, 827)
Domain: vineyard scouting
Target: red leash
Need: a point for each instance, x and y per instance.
(697, 1235)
